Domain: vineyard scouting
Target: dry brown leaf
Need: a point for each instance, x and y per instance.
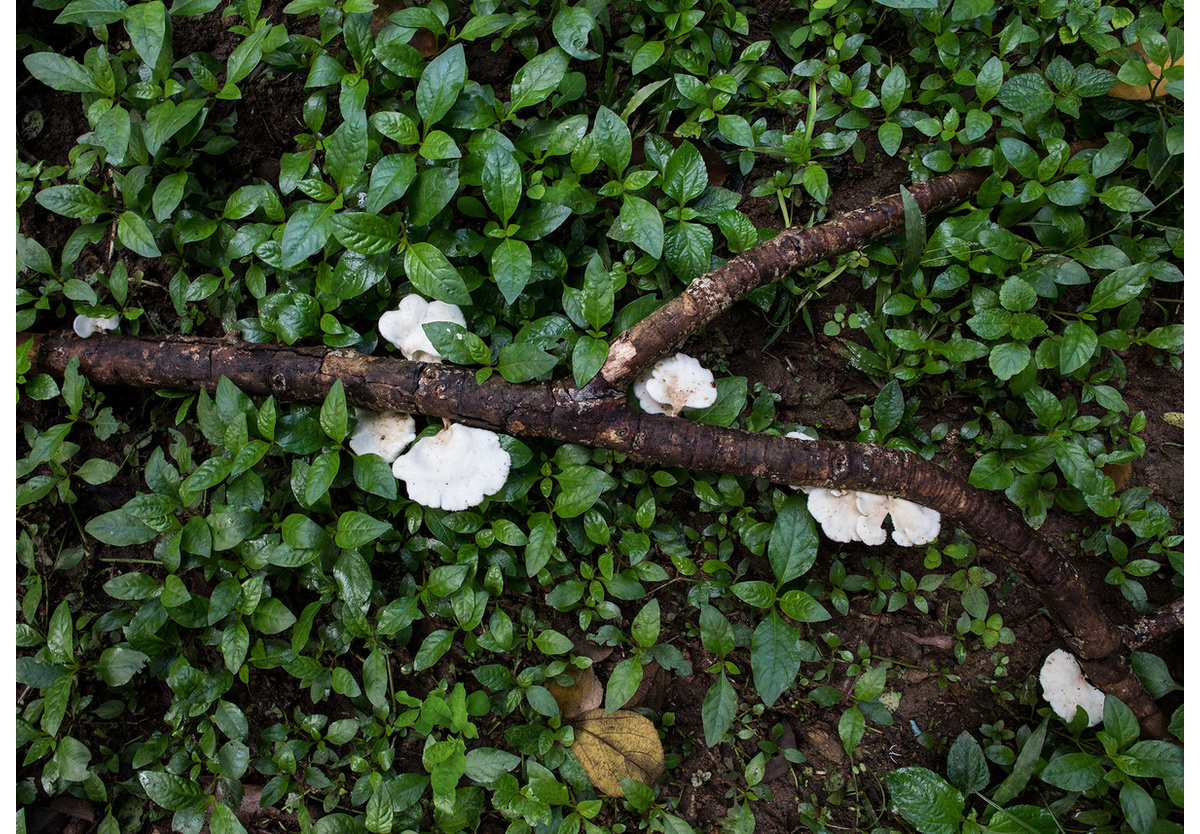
(584, 694)
(1119, 472)
(616, 746)
(1144, 93)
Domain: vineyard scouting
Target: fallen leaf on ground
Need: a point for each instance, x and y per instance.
(616, 746)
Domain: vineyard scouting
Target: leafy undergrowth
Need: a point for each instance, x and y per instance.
(227, 618)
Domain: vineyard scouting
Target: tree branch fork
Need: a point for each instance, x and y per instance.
(598, 416)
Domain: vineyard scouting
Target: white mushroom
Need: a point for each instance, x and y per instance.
(912, 524)
(849, 516)
(836, 510)
(85, 326)
(674, 384)
(455, 469)
(1066, 688)
(402, 327)
(384, 434)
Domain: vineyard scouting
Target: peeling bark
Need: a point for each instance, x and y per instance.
(558, 411)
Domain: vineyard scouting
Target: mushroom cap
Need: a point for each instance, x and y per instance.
(912, 524)
(402, 326)
(676, 383)
(837, 512)
(383, 434)
(1066, 688)
(454, 469)
(85, 326)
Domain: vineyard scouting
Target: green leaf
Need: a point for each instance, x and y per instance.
(1027, 94)
(688, 249)
(612, 141)
(356, 529)
(61, 73)
(502, 184)
(914, 234)
(1008, 359)
(433, 275)
(245, 57)
(851, 727)
(572, 27)
(1119, 287)
(816, 183)
(890, 136)
(543, 538)
(363, 232)
(685, 175)
(72, 757)
(989, 79)
(891, 91)
(346, 149)
(119, 529)
(793, 545)
(642, 224)
(802, 607)
(436, 644)
(889, 407)
(774, 657)
(272, 616)
(118, 665)
(624, 681)
(1074, 772)
(991, 472)
(587, 358)
(718, 709)
(440, 84)
(926, 800)
(535, 81)
(523, 361)
(1078, 346)
(72, 201)
(966, 766)
(512, 267)
(333, 417)
(1124, 198)
(579, 488)
(390, 179)
(305, 233)
(146, 25)
(175, 793)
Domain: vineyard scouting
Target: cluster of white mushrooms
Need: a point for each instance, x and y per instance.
(457, 467)
(849, 516)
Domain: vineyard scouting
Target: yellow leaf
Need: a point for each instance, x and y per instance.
(583, 695)
(1173, 418)
(616, 746)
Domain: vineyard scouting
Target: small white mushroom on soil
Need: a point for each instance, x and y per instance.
(85, 326)
(849, 516)
(455, 469)
(403, 326)
(674, 384)
(1066, 688)
(383, 434)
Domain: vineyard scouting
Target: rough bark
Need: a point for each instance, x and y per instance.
(1159, 623)
(557, 411)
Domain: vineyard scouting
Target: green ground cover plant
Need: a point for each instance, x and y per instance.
(228, 620)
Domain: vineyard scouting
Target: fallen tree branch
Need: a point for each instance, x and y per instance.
(556, 411)
(710, 295)
(1158, 623)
